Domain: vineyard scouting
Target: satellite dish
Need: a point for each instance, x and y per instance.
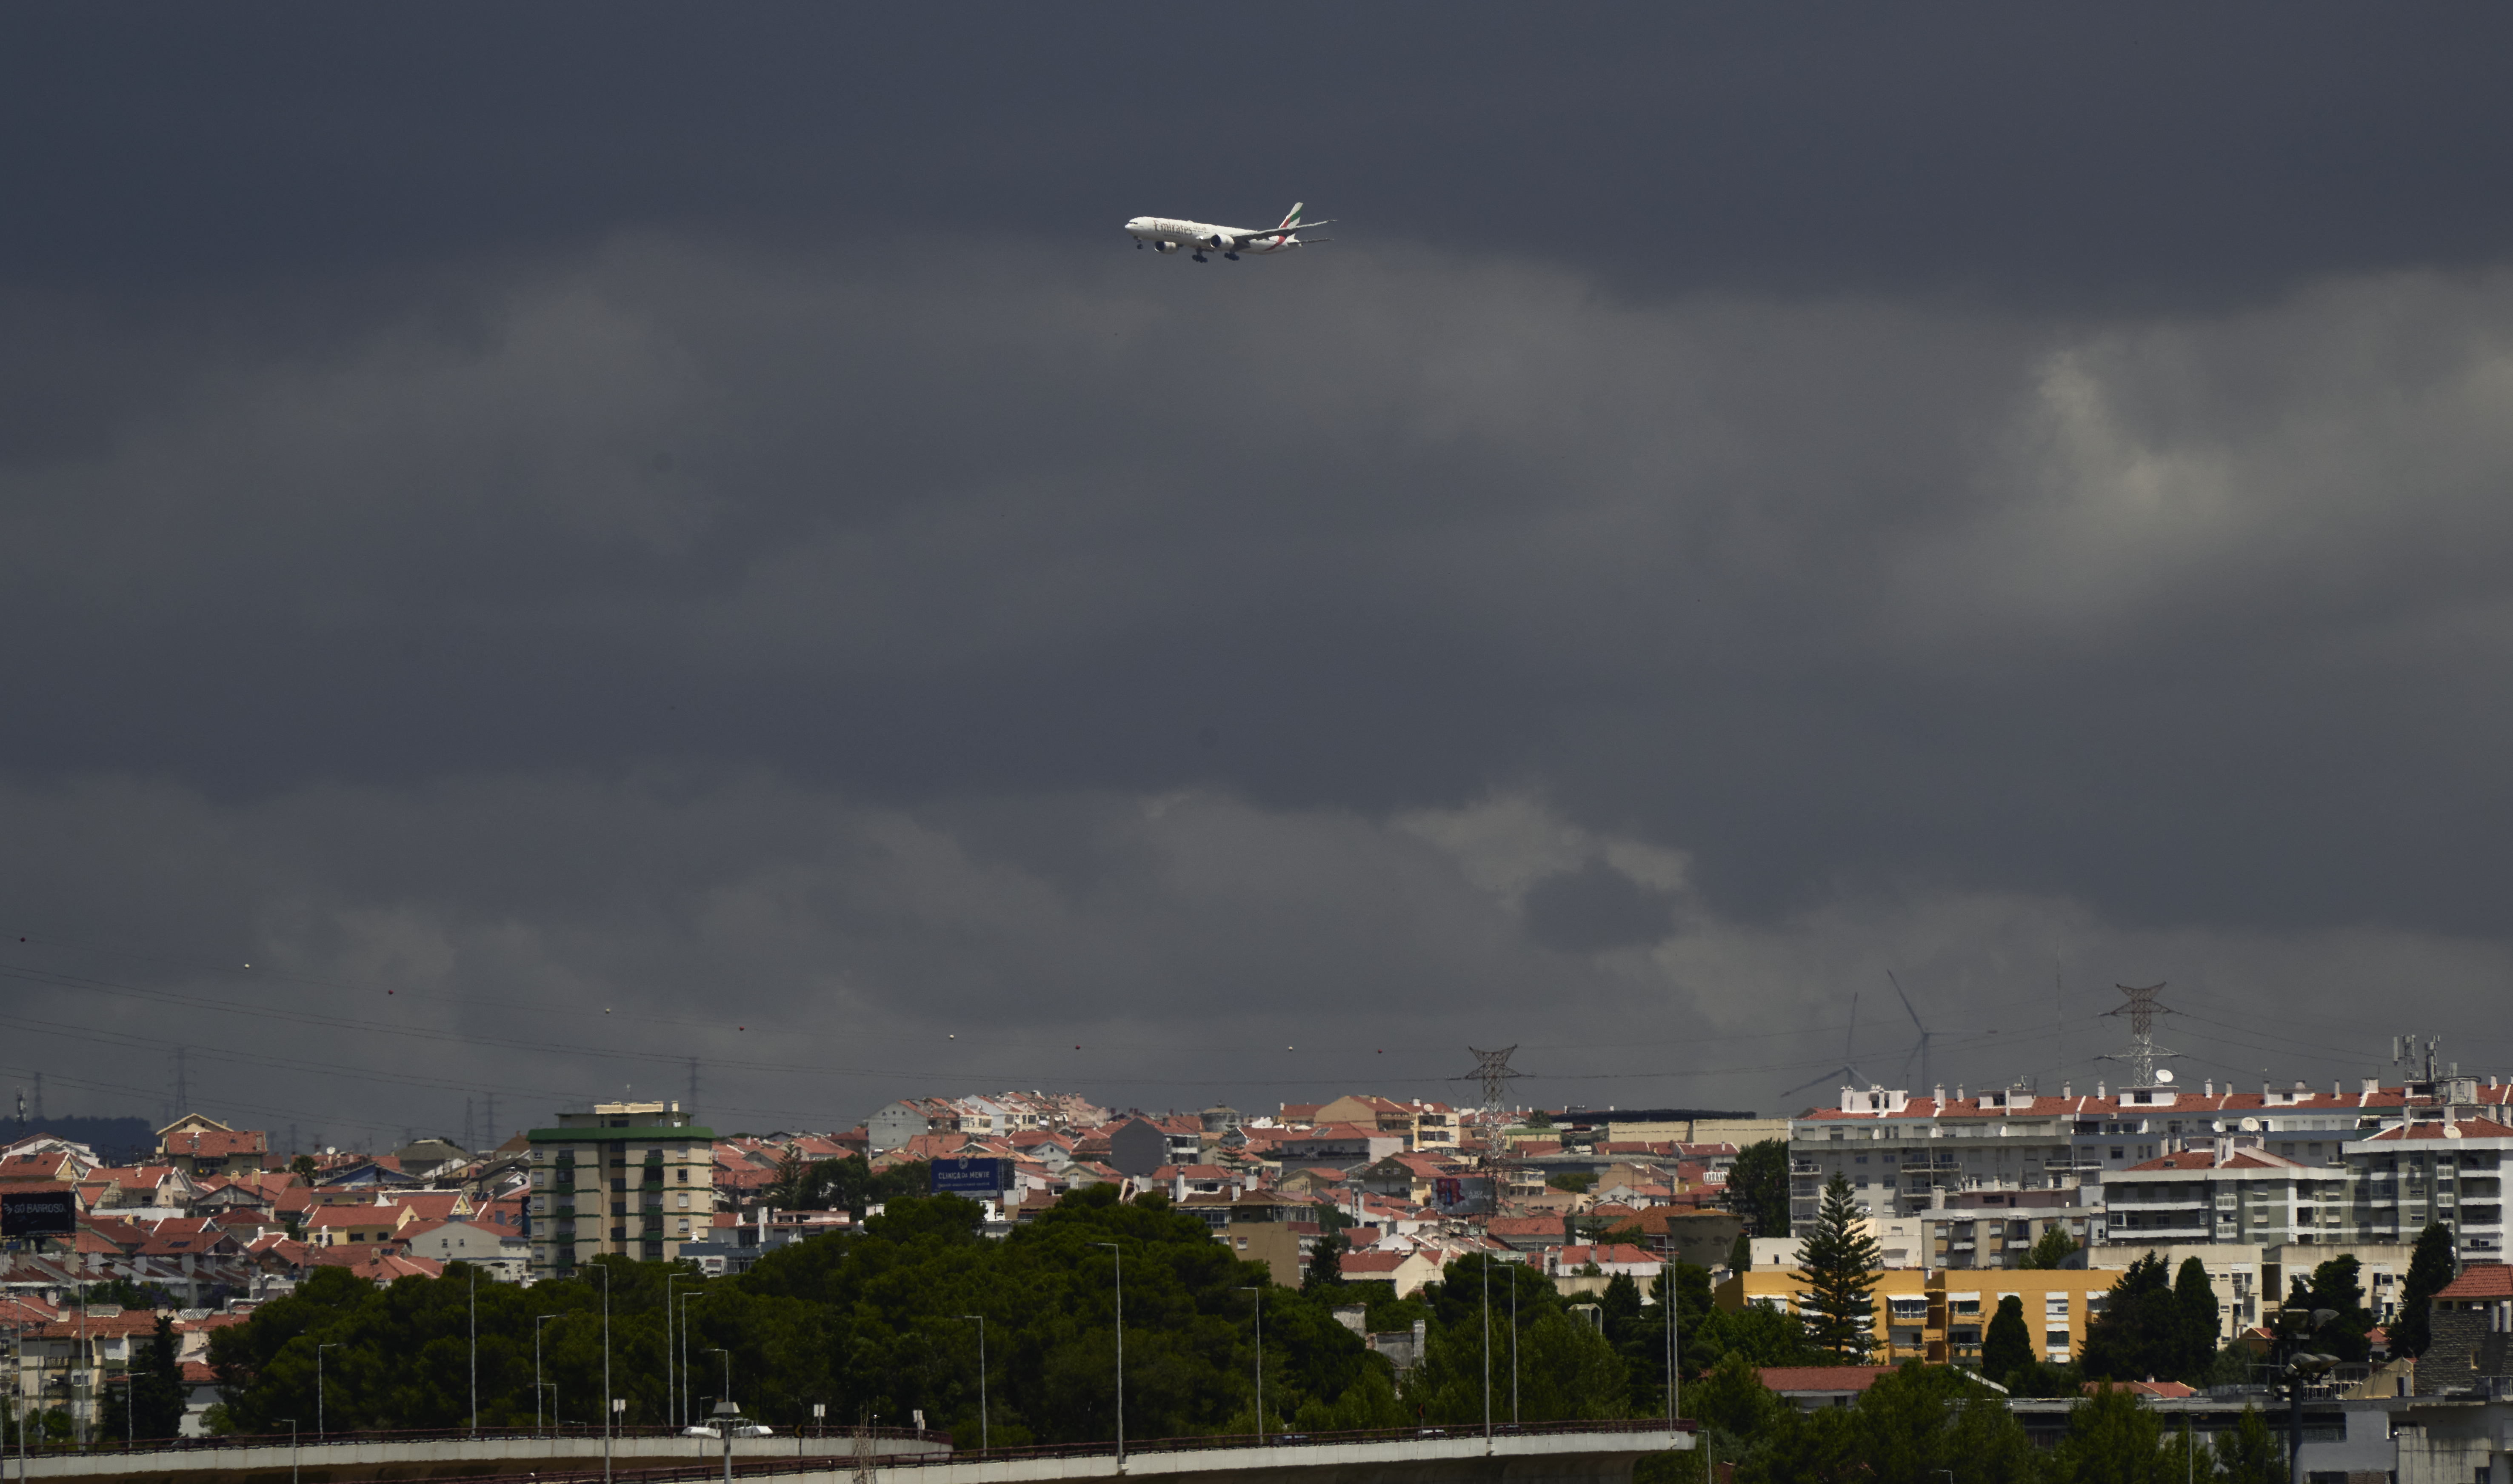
(2164, 1075)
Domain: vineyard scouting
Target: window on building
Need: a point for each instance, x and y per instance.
(2119, 1152)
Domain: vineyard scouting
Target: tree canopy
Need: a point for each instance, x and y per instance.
(1838, 1262)
(1758, 1187)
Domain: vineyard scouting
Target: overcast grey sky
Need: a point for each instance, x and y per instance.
(575, 538)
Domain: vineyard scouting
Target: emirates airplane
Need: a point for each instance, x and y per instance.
(1167, 236)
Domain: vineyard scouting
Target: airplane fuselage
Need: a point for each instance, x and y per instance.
(1168, 234)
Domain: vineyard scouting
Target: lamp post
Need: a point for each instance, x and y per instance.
(1513, 1347)
(985, 1427)
(726, 1411)
(319, 1429)
(607, 1399)
(537, 1321)
(1487, 1267)
(687, 1412)
(1260, 1301)
(672, 1388)
(2302, 1367)
(474, 1268)
(1117, 1254)
(292, 1448)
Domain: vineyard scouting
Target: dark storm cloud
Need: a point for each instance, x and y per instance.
(2088, 157)
(708, 521)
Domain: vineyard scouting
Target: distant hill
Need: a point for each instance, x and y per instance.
(118, 1139)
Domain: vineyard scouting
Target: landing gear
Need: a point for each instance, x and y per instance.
(1200, 258)
(1138, 244)
(1233, 257)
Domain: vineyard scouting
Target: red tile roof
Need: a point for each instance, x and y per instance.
(1823, 1378)
(2481, 1280)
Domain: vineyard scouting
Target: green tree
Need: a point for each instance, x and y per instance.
(1740, 1253)
(157, 1386)
(2146, 1330)
(1916, 1425)
(1758, 1187)
(2111, 1439)
(2008, 1347)
(2052, 1249)
(1576, 1181)
(2194, 1297)
(2430, 1273)
(2251, 1453)
(1839, 1263)
(304, 1168)
(2337, 1286)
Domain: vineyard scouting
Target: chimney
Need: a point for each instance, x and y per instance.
(2209, 1088)
(2100, 1093)
(2067, 1090)
(1959, 1097)
(2371, 1086)
(1941, 1093)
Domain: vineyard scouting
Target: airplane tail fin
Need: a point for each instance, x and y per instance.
(1293, 219)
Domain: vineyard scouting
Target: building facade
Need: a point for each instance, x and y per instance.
(633, 1180)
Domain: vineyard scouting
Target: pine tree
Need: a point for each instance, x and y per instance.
(2008, 1347)
(2195, 1296)
(2431, 1272)
(1839, 1263)
(1740, 1255)
(157, 1387)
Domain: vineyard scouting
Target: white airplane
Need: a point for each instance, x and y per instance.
(1167, 236)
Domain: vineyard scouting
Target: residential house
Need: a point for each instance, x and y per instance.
(1408, 1271)
(205, 1147)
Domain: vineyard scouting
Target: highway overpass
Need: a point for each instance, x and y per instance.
(1555, 1453)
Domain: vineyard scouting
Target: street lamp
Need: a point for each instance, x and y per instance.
(985, 1434)
(1118, 1256)
(686, 1410)
(292, 1448)
(726, 1411)
(671, 1390)
(537, 1321)
(2302, 1367)
(336, 1344)
(1259, 1301)
(474, 1268)
(1487, 1271)
(606, 1398)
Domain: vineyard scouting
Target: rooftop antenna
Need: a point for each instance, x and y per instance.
(2141, 1011)
(1493, 1070)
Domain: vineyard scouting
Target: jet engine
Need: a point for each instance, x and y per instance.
(1165, 247)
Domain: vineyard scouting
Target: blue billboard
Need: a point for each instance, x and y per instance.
(970, 1177)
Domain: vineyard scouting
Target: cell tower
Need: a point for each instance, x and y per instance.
(1492, 1071)
(2141, 1011)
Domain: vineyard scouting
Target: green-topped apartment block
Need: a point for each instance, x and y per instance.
(635, 1178)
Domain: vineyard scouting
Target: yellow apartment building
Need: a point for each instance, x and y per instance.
(1940, 1315)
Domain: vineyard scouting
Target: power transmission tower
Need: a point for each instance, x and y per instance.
(1492, 1071)
(2141, 1011)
